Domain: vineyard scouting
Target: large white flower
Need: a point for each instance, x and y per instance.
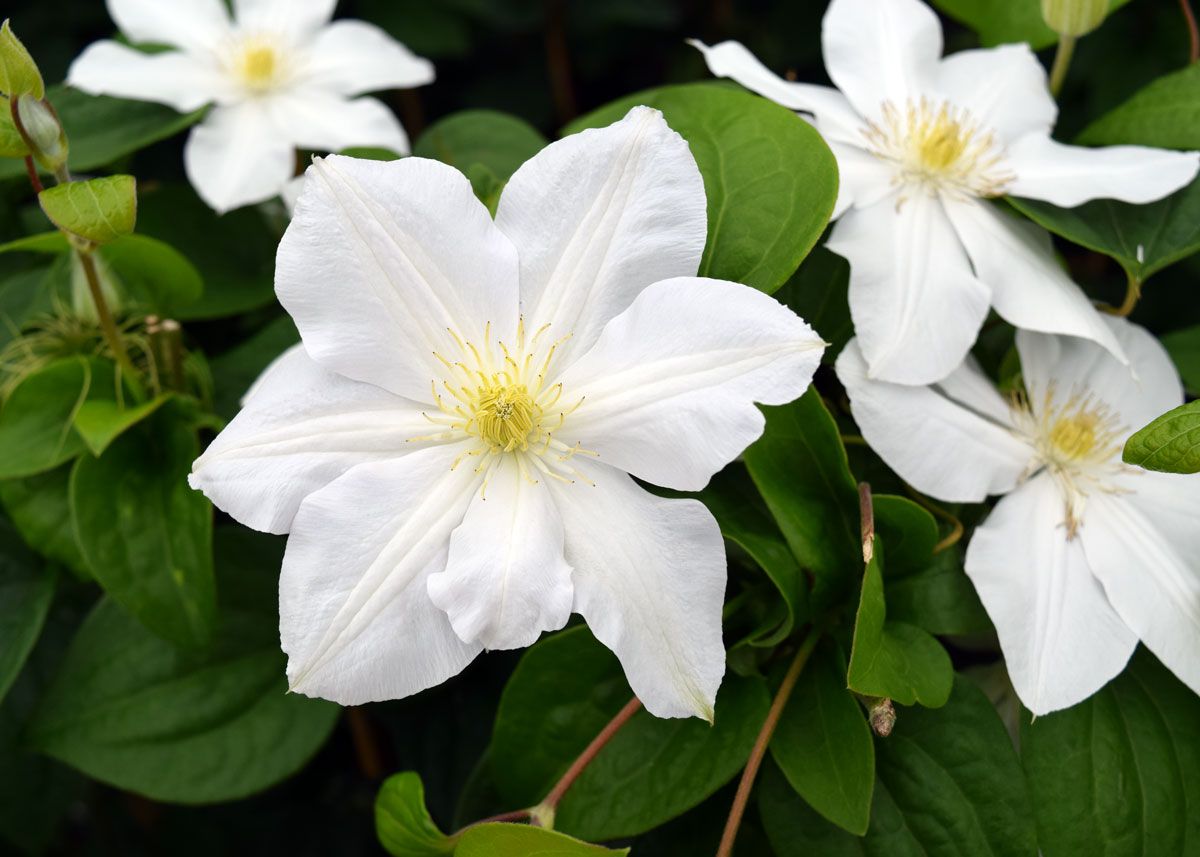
(922, 143)
(1085, 555)
(280, 77)
(451, 447)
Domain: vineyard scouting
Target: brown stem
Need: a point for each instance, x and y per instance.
(1193, 30)
(866, 512)
(515, 815)
(1133, 293)
(558, 61)
(585, 758)
(34, 178)
(956, 531)
(738, 809)
(366, 747)
(107, 326)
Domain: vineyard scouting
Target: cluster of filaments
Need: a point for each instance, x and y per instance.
(1078, 440)
(257, 62)
(938, 148)
(499, 398)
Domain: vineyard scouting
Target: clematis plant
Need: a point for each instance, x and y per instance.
(451, 446)
(1084, 555)
(922, 144)
(279, 75)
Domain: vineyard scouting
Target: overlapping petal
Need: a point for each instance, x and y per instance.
(315, 119)
(352, 57)
(179, 80)
(297, 19)
(598, 216)
(1062, 640)
(197, 25)
(1004, 89)
(236, 157)
(650, 580)
(669, 387)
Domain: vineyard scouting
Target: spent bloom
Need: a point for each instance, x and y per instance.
(1084, 555)
(280, 76)
(922, 143)
(451, 446)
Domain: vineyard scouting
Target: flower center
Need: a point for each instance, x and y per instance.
(938, 148)
(505, 416)
(1074, 437)
(258, 65)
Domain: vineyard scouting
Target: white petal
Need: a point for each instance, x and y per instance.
(1062, 640)
(172, 78)
(916, 305)
(951, 441)
(650, 580)
(669, 387)
(236, 157)
(297, 19)
(302, 427)
(199, 24)
(350, 57)
(881, 50)
(1029, 288)
(506, 580)
(863, 179)
(1004, 88)
(320, 120)
(354, 617)
(835, 117)
(1138, 392)
(1070, 175)
(598, 216)
(1145, 548)
(381, 258)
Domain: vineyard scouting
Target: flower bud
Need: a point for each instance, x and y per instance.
(883, 717)
(43, 132)
(1074, 17)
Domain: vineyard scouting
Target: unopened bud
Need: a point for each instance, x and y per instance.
(1074, 17)
(883, 717)
(43, 132)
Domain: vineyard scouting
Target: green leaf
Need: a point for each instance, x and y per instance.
(496, 140)
(1000, 22)
(823, 743)
(101, 422)
(1166, 114)
(1170, 443)
(948, 784)
(236, 369)
(129, 709)
(1184, 348)
(819, 293)
(800, 467)
(40, 508)
(402, 822)
(36, 431)
(12, 144)
(97, 210)
(19, 74)
(770, 179)
(893, 659)
(563, 692)
(103, 129)
(1118, 774)
(519, 840)
(144, 533)
(1143, 239)
(909, 531)
(26, 590)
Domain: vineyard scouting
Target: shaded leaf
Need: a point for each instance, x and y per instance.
(235, 370)
(402, 822)
(1184, 348)
(519, 840)
(496, 140)
(819, 293)
(1165, 114)
(26, 589)
(40, 508)
(1000, 22)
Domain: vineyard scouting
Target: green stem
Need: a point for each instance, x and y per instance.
(1062, 61)
(107, 326)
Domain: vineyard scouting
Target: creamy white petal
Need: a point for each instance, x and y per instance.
(301, 427)
(1071, 175)
(1004, 88)
(1145, 548)
(917, 306)
(650, 580)
(669, 387)
(354, 616)
(881, 50)
(598, 216)
(237, 157)
(1061, 638)
(193, 24)
(951, 441)
(506, 580)
(381, 258)
(173, 78)
(836, 118)
(1029, 288)
(351, 57)
(316, 119)
(863, 179)
(297, 19)
(1138, 392)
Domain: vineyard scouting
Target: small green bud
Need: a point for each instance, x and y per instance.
(43, 133)
(19, 74)
(1074, 17)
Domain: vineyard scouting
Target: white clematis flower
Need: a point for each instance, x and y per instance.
(280, 77)
(1084, 555)
(922, 143)
(451, 447)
